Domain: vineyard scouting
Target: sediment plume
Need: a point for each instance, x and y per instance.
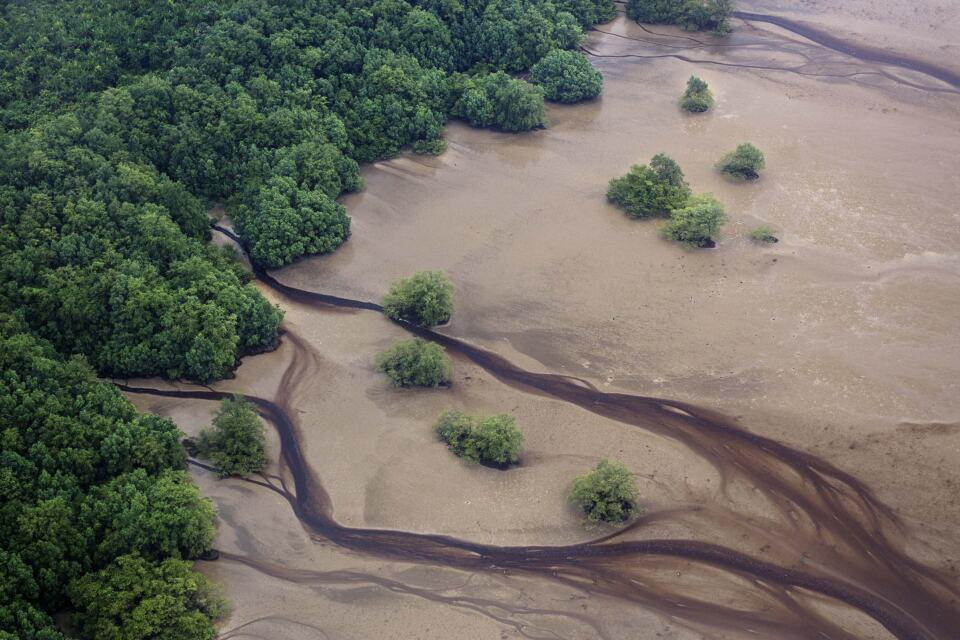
(852, 545)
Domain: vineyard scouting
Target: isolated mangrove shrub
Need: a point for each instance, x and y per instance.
(566, 76)
(696, 222)
(744, 163)
(763, 234)
(500, 101)
(415, 363)
(692, 15)
(235, 444)
(490, 439)
(425, 298)
(606, 494)
(697, 97)
(648, 191)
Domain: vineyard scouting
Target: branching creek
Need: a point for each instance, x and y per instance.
(838, 542)
(855, 51)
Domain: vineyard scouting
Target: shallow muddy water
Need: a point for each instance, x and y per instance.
(841, 340)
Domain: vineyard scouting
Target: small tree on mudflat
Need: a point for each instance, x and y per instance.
(490, 439)
(425, 298)
(697, 98)
(763, 234)
(744, 163)
(606, 494)
(415, 363)
(566, 76)
(647, 191)
(697, 222)
(236, 443)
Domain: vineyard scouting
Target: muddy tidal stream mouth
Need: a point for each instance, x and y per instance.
(868, 569)
(833, 545)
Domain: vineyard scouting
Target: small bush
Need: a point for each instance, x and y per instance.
(697, 97)
(645, 191)
(606, 494)
(425, 298)
(696, 222)
(236, 443)
(566, 76)
(744, 163)
(490, 440)
(282, 222)
(763, 234)
(415, 363)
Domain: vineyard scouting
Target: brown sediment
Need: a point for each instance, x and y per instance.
(838, 541)
(909, 599)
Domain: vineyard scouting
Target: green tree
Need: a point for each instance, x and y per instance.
(763, 234)
(606, 494)
(650, 191)
(697, 222)
(135, 599)
(489, 439)
(697, 97)
(425, 298)
(415, 363)
(497, 100)
(156, 517)
(744, 163)
(236, 443)
(83, 479)
(692, 15)
(566, 76)
(284, 222)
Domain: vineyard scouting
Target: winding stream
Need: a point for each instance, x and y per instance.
(837, 541)
(862, 540)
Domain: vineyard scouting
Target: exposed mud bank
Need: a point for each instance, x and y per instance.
(823, 509)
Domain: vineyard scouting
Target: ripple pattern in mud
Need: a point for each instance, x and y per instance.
(859, 541)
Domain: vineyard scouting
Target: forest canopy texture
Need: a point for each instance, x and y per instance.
(121, 123)
(89, 489)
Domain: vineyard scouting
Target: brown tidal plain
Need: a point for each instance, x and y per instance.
(843, 340)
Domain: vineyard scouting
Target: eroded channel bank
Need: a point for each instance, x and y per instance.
(855, 545)
(868, 568)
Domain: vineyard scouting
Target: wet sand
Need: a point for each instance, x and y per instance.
(840, 340)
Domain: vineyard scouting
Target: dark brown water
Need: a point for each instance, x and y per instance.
(860, 540)
(840, 542)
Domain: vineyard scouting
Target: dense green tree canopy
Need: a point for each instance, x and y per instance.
(285, 222)
(497, 100)
(133, 598)
(236, 443)
(115, 137)
(566, 76)
(83, 479)
(647, 191)
(692, 15)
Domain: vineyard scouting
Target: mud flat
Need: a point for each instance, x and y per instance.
(841, 340)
